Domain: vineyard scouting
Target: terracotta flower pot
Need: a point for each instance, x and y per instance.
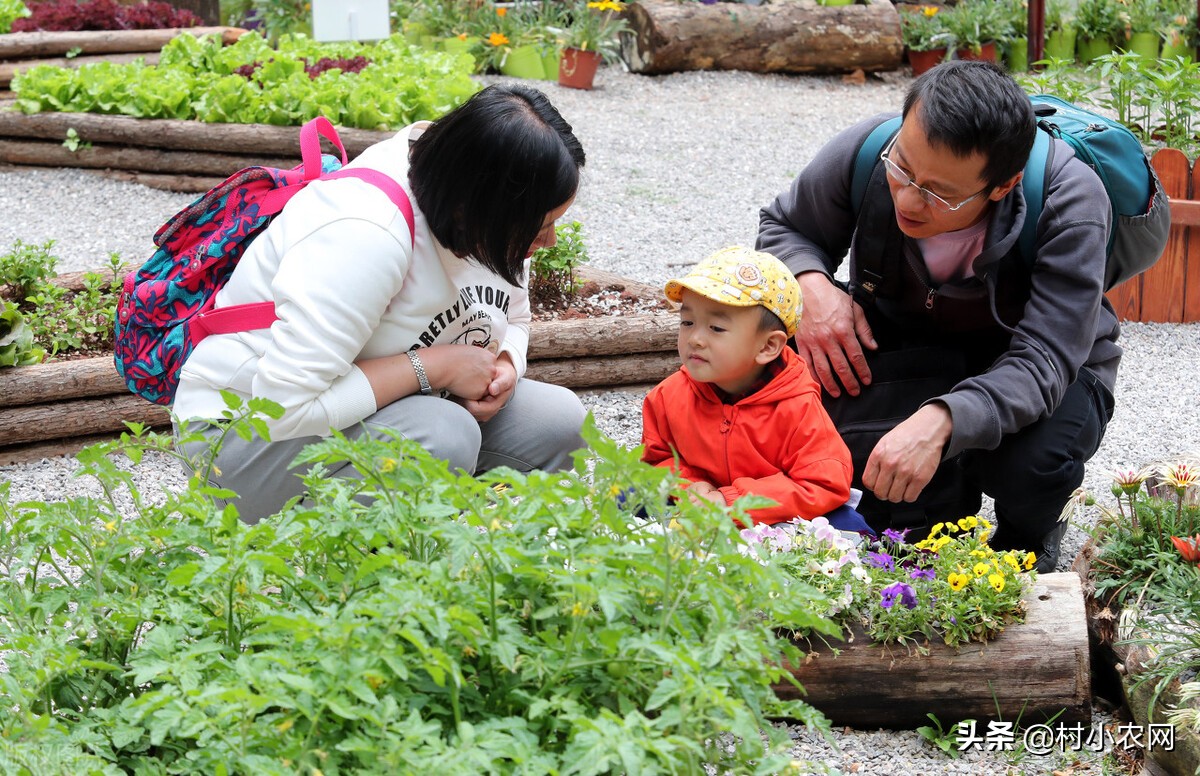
(577, 68)
(924, 60)
(986, 53)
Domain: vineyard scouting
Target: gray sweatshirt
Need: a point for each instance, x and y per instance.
(1051, 320)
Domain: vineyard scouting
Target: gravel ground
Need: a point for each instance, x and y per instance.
(678, 166)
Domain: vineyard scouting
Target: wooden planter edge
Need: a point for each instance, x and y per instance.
(866, 685)
(54, 402)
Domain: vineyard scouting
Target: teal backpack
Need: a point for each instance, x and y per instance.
(1141, 217)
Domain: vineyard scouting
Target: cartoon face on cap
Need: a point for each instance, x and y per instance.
(741, 277)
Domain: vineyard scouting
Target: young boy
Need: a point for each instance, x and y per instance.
(743, 415)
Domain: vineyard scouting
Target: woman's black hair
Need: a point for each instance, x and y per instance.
(486, 174)
(970, 106)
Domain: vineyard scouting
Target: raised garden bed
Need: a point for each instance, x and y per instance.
(51, 408)
(23, 50)
(794, 37)
(1119, 662)
(190, 156)
(1032, 671)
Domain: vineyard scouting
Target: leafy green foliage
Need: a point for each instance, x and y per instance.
(16, 338)
(407, 620)
(195, 79)
(552, 269)
(10, 11)
(26, 266)
(936, 734)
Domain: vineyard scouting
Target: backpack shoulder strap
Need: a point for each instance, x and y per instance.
(866, 159)
(387, 185)
(1033, 184)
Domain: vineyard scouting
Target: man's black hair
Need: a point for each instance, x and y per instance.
(486, 175)
(969, 106)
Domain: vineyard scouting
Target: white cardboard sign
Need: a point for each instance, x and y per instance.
(350, 20)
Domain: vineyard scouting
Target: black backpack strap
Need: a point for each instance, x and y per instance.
(872, 275)
(878, 247)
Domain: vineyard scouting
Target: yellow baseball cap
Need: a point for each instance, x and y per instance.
(740, 277)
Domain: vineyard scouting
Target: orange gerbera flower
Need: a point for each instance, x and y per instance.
(497, 39)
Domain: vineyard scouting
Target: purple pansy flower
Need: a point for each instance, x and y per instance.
(894, 536)
(880, 560)
(922, 574)
(901, 590)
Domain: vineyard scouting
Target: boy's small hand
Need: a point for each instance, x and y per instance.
(705, 491)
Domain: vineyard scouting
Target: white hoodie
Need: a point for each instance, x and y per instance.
(346, 285)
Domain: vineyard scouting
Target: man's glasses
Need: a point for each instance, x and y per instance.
(933, 200)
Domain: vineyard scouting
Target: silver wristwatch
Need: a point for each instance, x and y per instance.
(419, 368)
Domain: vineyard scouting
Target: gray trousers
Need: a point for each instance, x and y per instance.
(538, 429)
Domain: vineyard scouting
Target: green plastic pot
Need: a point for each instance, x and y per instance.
(458, 45)
(1061, 44)
(524, 62)
(1018, 55)
(1171, 51)
(1091, 48)
(1144, 44)
(550, 58)
(836, 2)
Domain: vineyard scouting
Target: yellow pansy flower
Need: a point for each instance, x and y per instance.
(941, 542)
(1011, 559)
(1030, 559)
(957, 581)
(981, 568)
(996, 581)
(937, 529)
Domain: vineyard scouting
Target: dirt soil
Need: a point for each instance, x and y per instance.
(594, 301)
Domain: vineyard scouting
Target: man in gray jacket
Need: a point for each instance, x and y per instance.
(964, 370)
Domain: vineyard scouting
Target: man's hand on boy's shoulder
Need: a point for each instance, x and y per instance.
(832, 334)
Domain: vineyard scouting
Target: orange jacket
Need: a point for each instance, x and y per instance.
(778, 442)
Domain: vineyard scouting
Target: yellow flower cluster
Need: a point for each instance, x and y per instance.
(606, 5)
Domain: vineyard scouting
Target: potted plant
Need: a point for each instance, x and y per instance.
(1142, 20)
(1098, 25)
(924, 36)
(1017, 43)
(589, 37)
(974, 27)
(1060, 31)
(1179, 29)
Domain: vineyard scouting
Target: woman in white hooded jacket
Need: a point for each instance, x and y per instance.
(380, 331)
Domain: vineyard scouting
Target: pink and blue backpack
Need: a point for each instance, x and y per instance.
(166, 307)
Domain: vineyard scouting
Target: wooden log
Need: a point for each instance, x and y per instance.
(52, 154)
(24, 45)
(59, 380)
(10, 69)
(174, 134)
(36, 451)
(790, 37)
(1031, 671)
(185, 184)
(604, 370)
(78, 417)
(621, 335)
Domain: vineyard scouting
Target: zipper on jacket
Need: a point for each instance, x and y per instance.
(913, 261)
(726, 427)
(929, 298)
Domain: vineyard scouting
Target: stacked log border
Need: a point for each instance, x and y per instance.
(1169, 292)
(178, 155)
(64, 402)
(1032, 671)
(798, 36)
(23, 50)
